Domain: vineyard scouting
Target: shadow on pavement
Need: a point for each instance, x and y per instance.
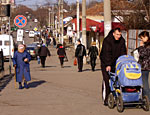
(97, 69)
(49, 66)
(5, 80)
(86, 70)
(67, 66)
(46, 66)
(36, 83)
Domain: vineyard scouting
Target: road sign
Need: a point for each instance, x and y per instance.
(19, 35)
(35, 29)
(20, 21)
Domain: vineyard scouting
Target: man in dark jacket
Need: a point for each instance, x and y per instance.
(79, 53)
(43, 52)
(113, 47)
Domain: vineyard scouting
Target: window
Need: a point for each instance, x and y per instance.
(6, 43)
(0, 42)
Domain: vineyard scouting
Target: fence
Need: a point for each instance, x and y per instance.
(132, 39)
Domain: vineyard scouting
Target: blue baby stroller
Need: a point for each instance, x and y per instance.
(126, 85)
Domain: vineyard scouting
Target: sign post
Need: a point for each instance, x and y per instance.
(20, 21)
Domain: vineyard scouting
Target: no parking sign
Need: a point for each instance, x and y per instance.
(20, 21)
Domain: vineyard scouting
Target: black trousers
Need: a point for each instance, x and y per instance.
(61, 60)
(105, 84)
(93, 62)
(80, 63)
(43, 59)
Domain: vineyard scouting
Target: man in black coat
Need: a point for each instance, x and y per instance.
(43, 52)
(113, 47)
(79, 53)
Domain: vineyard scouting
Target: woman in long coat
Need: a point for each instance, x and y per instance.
(21, 63)
(93, 53)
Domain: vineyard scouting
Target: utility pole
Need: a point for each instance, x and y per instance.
(59, 19)
(84, 23)
(62, 25)
(78, 20)
(53, 19)
(107, 17)
(49, 21)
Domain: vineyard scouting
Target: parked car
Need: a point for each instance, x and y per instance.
(26, 31)
(33, 50)
(35, 20)
(5, 45)
(31, 34)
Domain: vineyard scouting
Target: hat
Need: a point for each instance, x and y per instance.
(79, 40)
(21, 46)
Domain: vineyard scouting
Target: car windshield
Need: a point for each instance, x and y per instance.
(6, 43)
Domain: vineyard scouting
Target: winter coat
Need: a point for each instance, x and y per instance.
(144, 57)
(93, 52)
(80, 51)
(111, 50)
(61, 51)
(22, 68)
(43, 51)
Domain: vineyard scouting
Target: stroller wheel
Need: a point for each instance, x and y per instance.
(119, 103)
(145, 104)
(111, 101)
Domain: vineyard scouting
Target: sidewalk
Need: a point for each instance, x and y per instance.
(58, 91)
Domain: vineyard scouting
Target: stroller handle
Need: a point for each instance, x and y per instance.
(111, 73)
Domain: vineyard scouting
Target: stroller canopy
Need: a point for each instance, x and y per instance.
(128, 71)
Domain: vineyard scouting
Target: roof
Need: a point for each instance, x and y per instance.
(89, 24)
(98, 25)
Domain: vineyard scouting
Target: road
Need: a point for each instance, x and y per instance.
(59, 91)
(30, 26)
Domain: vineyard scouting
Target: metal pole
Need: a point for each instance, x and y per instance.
(49, 19)
(59, 16)
(9, 49)
(78, 20)
(59, 20)
(107, 17)
(56, 26)
(84, 23)
(62, 23)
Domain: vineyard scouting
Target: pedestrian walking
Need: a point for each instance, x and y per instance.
(144, 60)
(62, 54)
(54, 42)
(21, 61)
(113, 47)
(43, 53)
(93, 53)
(79, 54)
(48, 41)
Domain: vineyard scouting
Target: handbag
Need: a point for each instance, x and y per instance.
(75, 62)
(65, 59)
(135, 54)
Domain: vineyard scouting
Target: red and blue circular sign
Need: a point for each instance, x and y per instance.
(20, 21)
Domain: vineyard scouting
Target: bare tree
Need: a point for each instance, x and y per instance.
(136, 15)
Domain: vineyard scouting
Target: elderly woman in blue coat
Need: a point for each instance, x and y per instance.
(21, 63)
